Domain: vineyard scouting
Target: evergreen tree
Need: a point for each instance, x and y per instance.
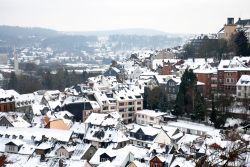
(145, 98)
(84, 76)
(199, 107)
(241, 43)
(153, 98)
(179, 105)
(47, 81)
(213, 115)
(163, 103)
(12, 84)
(66, 78)
(185, 97)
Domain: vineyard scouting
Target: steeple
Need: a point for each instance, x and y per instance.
(16, 65)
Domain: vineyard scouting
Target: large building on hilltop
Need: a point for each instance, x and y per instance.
(230, 28)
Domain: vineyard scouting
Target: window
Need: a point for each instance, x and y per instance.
(61, 154)
(5, 107)
(139, 115)
(103, 159)
(131, 109)
(239, 87)
(229, 80)
(121, 104)
(140, 136)
(151, 118)
(11, 148)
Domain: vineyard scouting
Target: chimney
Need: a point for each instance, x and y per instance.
(230, 21)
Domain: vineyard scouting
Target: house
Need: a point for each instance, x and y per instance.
(161, 161)
(188, 145)
(232, 27)
(80, 107)
(24, 103)
(103, 130)
(143, 135)
(149, 117)
(191, 128)
(172, 88)
(13, 120)
(163, 138)
(200, 40)
(106, 101)
(141, 154)
(65, 151)
(13, 146)
(230, 71)
(116, 158)
(53, 99)
(7, 101)
(129, 101)
(112, 71)
(205, 75)
(243, 87)
(83, 151)
(58, 124)
(136, 163)
(173, 84)
(43, 148)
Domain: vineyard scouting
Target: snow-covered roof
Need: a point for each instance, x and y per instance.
(190, 125)
(235, 64)
(195, 63)
(80, 150)
(119, 154)
(159, 62)
(15, 119)
(27, 133)
(151, 113)
(7, 93)
(102, 134)
(111, 119)
(182, 162)
(244, 81)
(148, 130)
(205, 69)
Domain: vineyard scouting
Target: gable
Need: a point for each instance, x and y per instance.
(162, 138)
(104, 155)
(10, 144)
(4, 121)
(62, 148)
(155, 159)
(140, 131)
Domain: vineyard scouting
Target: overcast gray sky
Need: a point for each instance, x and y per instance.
(180, 16)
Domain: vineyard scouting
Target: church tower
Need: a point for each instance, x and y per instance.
(16, 65)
